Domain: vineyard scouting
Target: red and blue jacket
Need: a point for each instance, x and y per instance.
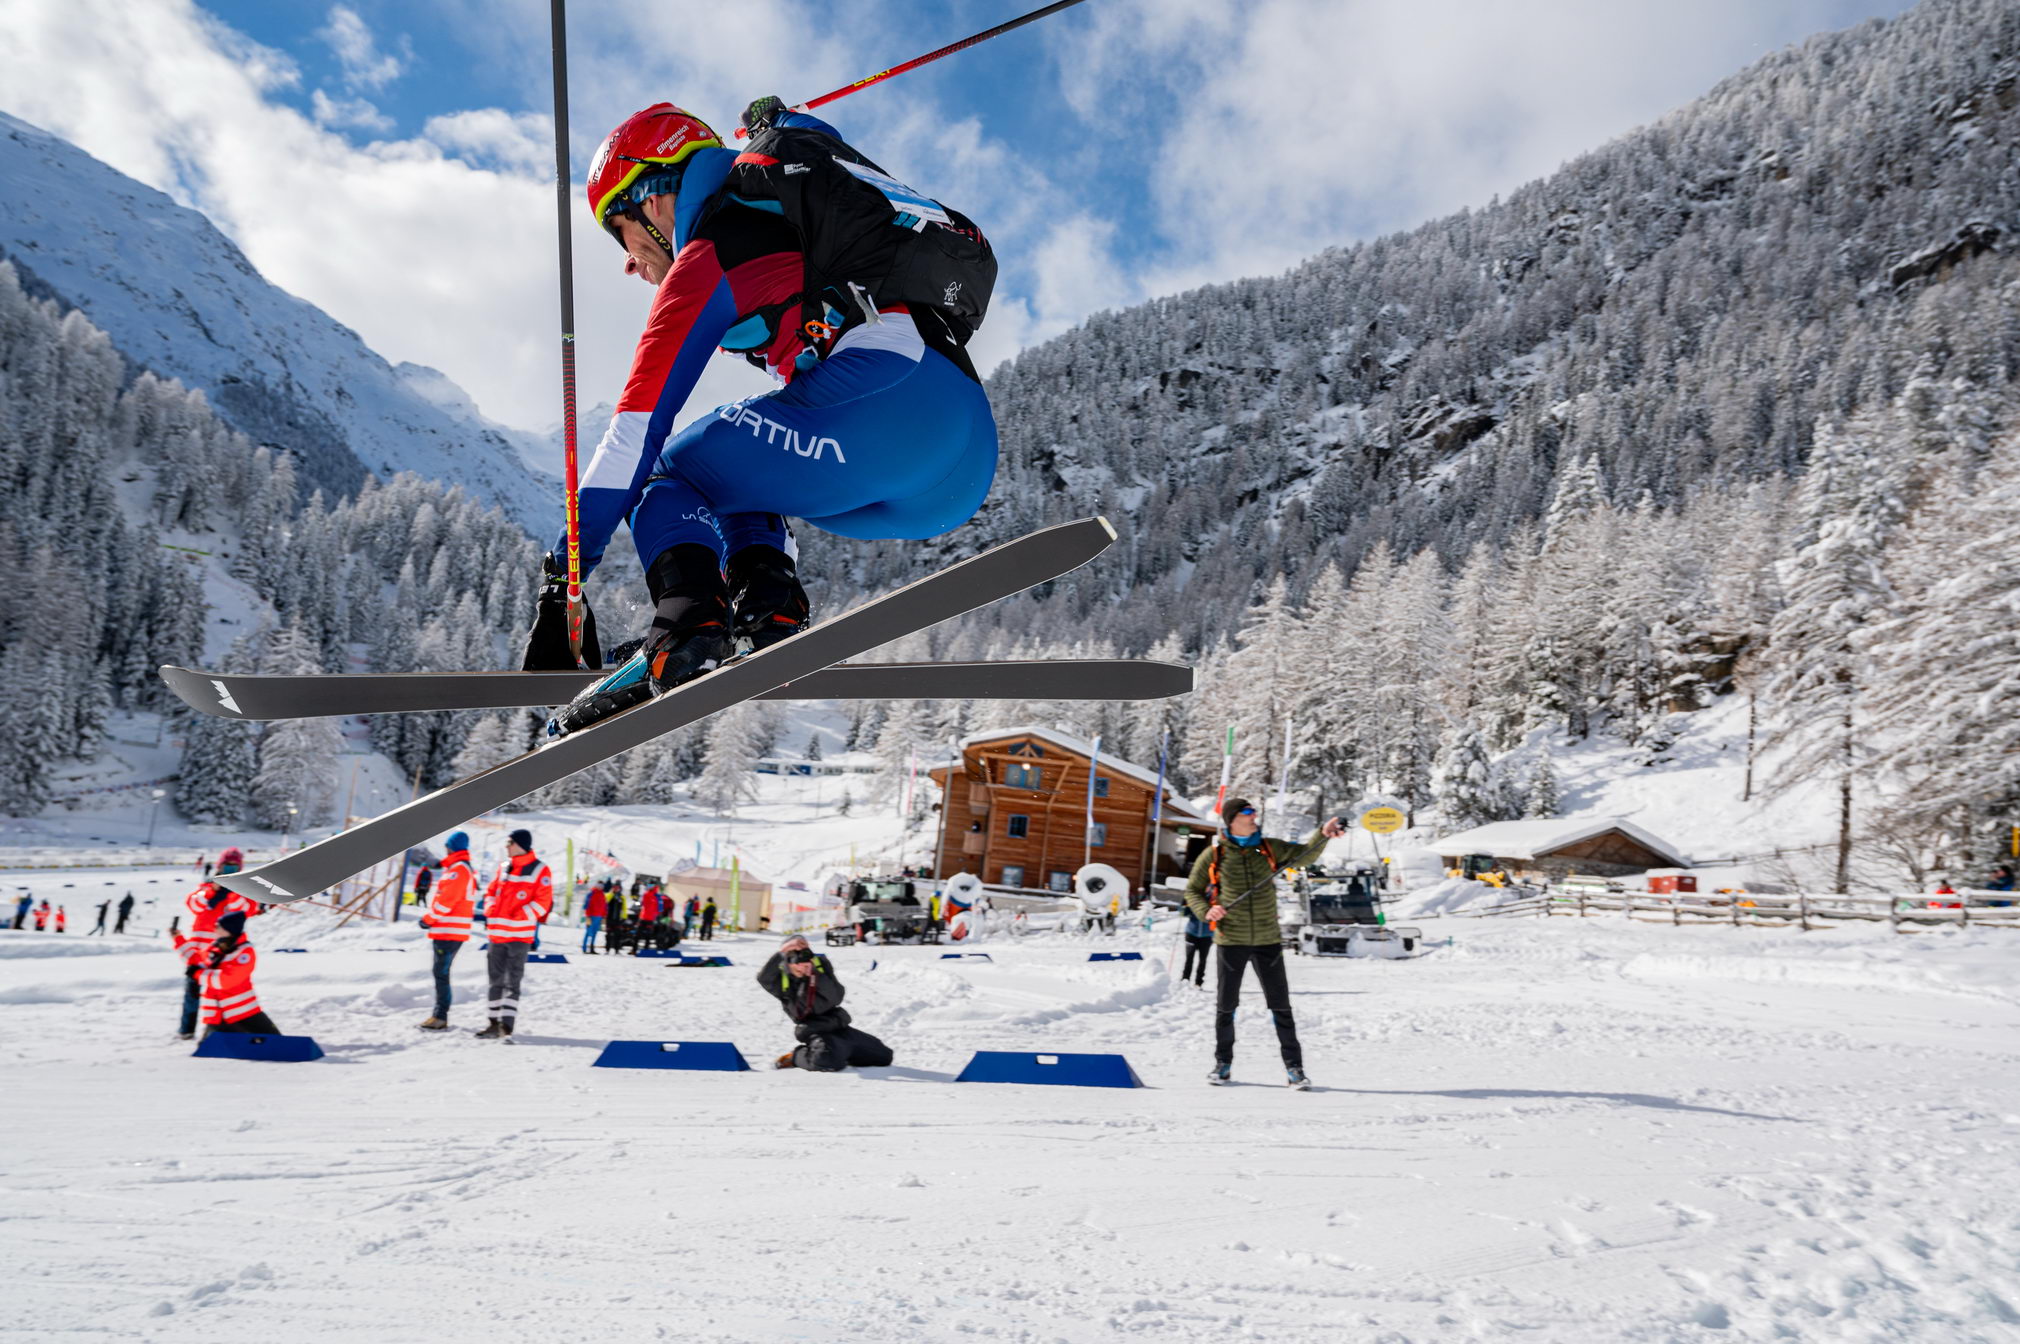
(733, 259)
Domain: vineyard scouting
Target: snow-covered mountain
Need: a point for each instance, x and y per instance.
(179, 298)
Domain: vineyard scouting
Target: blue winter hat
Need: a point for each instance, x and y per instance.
(458, 840)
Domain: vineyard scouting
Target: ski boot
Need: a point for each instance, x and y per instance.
(1220, 1076)
(1298, 1082)
(690, 636)
(771, 605)
(435, 1024)
(785, 1061)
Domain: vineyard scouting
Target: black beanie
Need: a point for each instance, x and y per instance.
(1231, 809)
(522, 838)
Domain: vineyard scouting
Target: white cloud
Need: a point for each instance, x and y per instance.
(357, 50)
(1294, 124)
(1273, 128)
(341, 112)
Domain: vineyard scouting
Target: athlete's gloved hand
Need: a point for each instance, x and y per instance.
(763, 112)
(547, 642)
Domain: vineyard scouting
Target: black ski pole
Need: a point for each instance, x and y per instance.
(562, 182)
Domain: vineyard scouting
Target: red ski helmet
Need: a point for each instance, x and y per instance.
(232, 855)
(659, 138)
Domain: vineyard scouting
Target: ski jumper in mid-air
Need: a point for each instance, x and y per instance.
(880, 429)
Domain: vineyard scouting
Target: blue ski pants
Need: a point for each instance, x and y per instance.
(869, 443)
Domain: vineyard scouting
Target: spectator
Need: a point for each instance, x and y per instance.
(805, 985)
(1198, 947)
(125, 909)
(593, 912)
(62, 919)
(708, 914)
(1233, 888)
(648, 915)
(689, 914)
(104, 908)
(42, 917)
(21, 908)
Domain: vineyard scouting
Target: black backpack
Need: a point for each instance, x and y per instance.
(859, 225)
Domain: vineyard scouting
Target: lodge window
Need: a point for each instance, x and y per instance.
(1097, 834)
(1020, 826)
(1022, 776)
(1100, 789)
(1059, 880)
(1013, 875)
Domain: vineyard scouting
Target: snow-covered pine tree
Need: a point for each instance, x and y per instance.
(1846, 511)
(297, 757)
(1541, 799)
(737, 738)
(1463, 780)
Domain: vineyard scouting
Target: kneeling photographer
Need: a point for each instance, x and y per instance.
(804, 983)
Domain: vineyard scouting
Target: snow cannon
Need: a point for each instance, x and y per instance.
(1103, 893)
(960, 906)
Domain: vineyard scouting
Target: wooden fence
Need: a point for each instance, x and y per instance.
(1906, 914)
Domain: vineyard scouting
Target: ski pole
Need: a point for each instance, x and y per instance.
(558, 17)
(918, 61)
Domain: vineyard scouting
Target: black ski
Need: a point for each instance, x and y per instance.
(975, 582)
(251, 696)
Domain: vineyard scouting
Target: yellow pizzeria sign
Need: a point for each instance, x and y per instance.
(1382, 820)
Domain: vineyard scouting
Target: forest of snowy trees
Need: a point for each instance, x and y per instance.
(1722, 408)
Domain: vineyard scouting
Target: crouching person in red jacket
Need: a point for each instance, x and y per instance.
(229, 1003)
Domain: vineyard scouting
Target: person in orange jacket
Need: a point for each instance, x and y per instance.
(514, 904)
(648, 915)
(450, 901)
(42, 917)
(212, 910)
(229, 1003)
(62, 919)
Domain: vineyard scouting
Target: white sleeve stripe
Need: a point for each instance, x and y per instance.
(617, 452)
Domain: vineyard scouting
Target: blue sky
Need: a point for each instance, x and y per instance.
(1116, 151)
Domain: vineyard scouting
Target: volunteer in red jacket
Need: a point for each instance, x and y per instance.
(229, 1003)
(212, 909)
(450, 901)
(514, 904)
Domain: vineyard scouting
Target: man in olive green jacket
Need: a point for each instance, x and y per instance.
(1233, 887)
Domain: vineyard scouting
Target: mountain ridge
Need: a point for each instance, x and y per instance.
(178, 298)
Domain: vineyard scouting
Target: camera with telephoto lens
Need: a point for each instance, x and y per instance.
(800, 956)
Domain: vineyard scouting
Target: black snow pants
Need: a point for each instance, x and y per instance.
(1269, 972)
(1198, 950)
(259, 1024)
(833, 1051)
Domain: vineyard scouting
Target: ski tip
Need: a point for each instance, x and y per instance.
(1107, 527)
(254, 883)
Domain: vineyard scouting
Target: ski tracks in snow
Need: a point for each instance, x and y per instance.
(1552, 1131)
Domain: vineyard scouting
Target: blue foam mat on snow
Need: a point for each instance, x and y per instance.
(1009, 1066)
(710, 1056)
(247, 1045)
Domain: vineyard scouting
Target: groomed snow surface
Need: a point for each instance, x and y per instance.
(1547, 1130)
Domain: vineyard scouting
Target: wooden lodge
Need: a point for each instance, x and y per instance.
(1551, 849)
(1015, 813)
